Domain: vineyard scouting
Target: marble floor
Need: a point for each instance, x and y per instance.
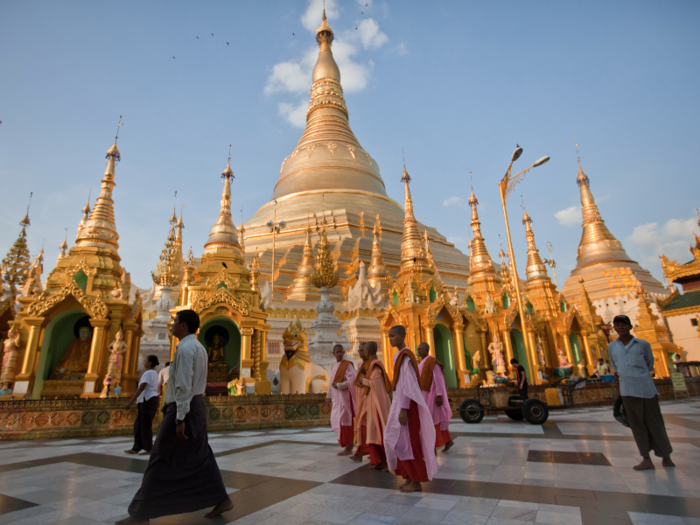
(575, 469)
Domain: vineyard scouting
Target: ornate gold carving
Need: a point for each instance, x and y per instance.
(94, 306)
(222, 295)
(351, 149)
(82, 265)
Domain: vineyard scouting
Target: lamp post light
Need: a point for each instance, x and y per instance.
(506, 186)
(552, 264)
(275, 228)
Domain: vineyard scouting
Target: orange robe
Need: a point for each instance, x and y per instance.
(376, 414)
(360, 397)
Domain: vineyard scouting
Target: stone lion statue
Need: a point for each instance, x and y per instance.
(298, 373)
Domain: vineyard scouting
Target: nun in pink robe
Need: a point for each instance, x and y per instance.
(342, 396)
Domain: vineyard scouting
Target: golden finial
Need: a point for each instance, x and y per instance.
(526, 217)
(116, 137)
(25, 222)
(405, 177)
(173, 219)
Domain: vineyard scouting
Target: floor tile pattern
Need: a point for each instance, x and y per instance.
(575, 469)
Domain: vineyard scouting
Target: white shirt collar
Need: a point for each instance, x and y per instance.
(186, 338)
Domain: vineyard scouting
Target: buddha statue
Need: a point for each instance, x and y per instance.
(216, 351)
(75, 360)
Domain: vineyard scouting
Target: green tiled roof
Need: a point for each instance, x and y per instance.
(684, 301)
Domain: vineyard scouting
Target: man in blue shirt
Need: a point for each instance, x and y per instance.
(634, 361)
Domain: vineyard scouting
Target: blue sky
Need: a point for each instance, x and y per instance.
(457, 84)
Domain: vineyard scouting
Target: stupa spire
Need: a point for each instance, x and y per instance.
(479, 259)
(535, 266)
(63, 247)
(411, 242)
(100, 229)
(377, 271)
(597, 243)
(169, 269)
(17, 261)
(86, 216)
(224, 232)
(302, 286)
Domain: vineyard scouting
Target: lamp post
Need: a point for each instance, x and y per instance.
(506, 186)
(275, 228)
(552, 264)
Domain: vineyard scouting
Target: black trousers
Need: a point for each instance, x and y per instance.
(647, 424)
(143, 426)
(523, 391)
(182, 476)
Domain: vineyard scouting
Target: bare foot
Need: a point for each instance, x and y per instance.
(413, 486)
(646, 464)
(131, 451)
(357, 458)
(145, 453)
(448, 446)
(346, 451)
(384, 466)
(405, 483)
(666, 462)
(132, 521)
(222, 507)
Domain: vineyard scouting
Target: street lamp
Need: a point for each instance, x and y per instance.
(506, 187)
(552, 264)
(275, 228)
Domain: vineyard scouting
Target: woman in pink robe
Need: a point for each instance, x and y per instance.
(341, 396)
(432, 383)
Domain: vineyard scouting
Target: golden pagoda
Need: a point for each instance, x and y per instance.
(610, 275)
(66, 331)
(16, 263)
(330, 168)
(224, 292)
(682, 311)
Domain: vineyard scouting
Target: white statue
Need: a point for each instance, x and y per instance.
(496, 350)
(363, 295)
(116, 360)
(476, 361)
(540, 352)
(9, 359)
(489, 305)
(563, 361)
(266, 294)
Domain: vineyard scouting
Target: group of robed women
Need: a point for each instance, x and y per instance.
(399, 432)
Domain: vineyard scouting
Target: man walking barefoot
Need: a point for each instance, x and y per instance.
(182, 474)
(634, 361)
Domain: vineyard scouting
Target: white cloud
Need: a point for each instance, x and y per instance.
(453, 201)
(295, 115)
(370, 34)
(294, 76)
(401, 49)
(570, 216)
(672, 239)
(457, 240)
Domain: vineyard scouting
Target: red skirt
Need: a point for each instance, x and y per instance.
(442, 437)
(415, 468)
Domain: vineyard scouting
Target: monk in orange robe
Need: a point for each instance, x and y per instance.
(370, 432)
(360, 396)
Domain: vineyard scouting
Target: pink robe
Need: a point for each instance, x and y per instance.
(397, 441)
(343, 400)
(441, 415)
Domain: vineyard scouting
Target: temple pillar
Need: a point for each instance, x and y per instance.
(429, 338)
(534, 364)
(589, 356)
(387, 356)
(569, 355)
(98, 339)
(484, 361)
(246, 352)
(505, 334)
(462, 371)
(25, 380)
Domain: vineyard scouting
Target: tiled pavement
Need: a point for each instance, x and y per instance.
(576, 469)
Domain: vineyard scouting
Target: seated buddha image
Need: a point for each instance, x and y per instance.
(75, 361)
(216, 350)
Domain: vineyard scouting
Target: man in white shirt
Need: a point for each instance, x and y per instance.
(182, 474)
(634, 361)
(163, 377)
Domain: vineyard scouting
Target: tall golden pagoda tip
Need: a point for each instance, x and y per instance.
(228, 173)
(25, 221)
(86, 208)
(114, 151)
(324, 28)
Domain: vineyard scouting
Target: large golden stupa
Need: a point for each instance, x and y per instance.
(330, 176)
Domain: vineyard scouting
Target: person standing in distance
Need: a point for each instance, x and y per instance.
(182, 474)
(633, 361)
(521, 377)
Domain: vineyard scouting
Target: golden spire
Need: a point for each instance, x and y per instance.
(377, 271)
(411, 242)
(324, 274)
(241, 233)
(100, 229)
(86, 215)
(177, 245)
(63, 247)
(169, 269)
(597, 244)
(535, 266)
(302, 285)
(506, 281)
(224, 233)
(429, 253)
(17, 261)
(479, 261)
